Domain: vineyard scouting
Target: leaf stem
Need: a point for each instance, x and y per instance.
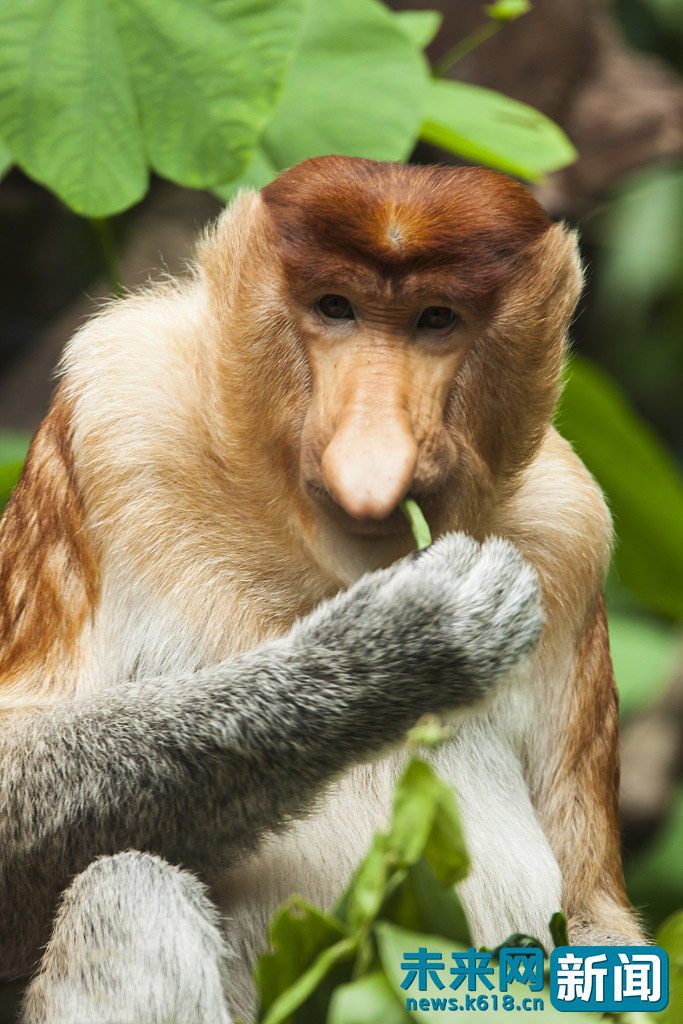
(444, 64)
(418, 524)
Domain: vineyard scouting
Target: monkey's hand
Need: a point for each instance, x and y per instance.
(430, 633)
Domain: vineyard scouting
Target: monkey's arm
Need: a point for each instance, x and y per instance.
(197, 768)
(578, 798)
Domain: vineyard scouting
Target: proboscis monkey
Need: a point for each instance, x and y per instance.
(185, 698)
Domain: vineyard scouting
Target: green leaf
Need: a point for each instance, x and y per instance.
(367, 889)
(558, 929)
(643, 489)
(427, 732)
(91, 93)
(507, 10)
(426, 822)
(420, 26)
(418, 523)
(349, 51)
(645, 653)
(304, 987)
(483, 126)
(298, 934)
(440, 910)
(368, 1000)
(415, 802)
(670, 938)
(260, 171)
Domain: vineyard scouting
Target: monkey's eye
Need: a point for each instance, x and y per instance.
(335, 307)
(437, 317)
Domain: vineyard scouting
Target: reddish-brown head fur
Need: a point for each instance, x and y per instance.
(465, 225)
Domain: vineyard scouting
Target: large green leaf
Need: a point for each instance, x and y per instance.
(91, 93)
(643, 488)
(357, 87)
(488, 128)
(420, 26)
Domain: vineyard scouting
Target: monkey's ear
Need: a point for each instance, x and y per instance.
(237, 236)
(554, 277)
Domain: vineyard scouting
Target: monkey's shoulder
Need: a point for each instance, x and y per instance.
(560, 521)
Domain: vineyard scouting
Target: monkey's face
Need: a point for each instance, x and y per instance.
(422, 299)
(383, 361)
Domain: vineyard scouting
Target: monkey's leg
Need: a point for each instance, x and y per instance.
(136, 941)
(577, 795)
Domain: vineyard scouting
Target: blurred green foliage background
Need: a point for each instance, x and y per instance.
(219, 94)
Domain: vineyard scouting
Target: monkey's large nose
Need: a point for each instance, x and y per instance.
(369, 464)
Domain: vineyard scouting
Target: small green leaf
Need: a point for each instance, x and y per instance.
(428, 732)
(298, 934)
(415, 804)
(418, 523)
(643, 488)
(426, 822)
(367, 890)
(486, 127)
(368, 1000)
(306, 984)
(507, 10)
(440, 908)
(420, 26)
(558, 928)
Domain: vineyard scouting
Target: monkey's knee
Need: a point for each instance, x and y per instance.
(135, 941)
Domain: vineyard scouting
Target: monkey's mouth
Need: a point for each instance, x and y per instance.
(395, 524)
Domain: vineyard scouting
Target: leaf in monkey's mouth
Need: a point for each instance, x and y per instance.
(418, 523)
